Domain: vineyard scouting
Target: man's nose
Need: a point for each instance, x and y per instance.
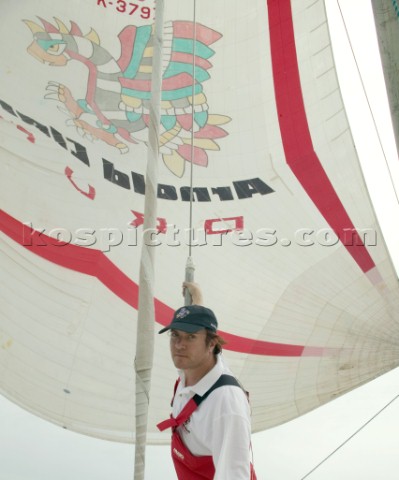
(180, 343)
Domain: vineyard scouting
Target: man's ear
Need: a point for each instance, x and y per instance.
(212, 344)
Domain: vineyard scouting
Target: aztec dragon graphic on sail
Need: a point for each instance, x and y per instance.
(116, 107)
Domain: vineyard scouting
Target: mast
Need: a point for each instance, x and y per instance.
(146, 316)
(386, 17)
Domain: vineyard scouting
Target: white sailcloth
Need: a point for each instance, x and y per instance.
(288, 250)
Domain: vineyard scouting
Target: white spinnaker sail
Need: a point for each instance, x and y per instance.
(293, 261)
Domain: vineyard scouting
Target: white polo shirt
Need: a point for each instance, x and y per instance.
(220, 426)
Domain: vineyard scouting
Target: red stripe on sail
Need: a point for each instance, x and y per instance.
(297, 142)
(95, 263)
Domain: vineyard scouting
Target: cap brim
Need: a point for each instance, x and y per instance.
(163, 330)
(183, 326)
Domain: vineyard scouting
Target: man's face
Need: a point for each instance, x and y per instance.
(189, 350)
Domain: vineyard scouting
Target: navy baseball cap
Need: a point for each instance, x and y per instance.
(192, 318)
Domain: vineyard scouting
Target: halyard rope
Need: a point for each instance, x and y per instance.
(349, 438)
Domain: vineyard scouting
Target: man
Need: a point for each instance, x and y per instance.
(210, 417)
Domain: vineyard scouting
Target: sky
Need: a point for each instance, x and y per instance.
(33, 449)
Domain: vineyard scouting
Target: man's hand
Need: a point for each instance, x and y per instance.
(195, 292)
